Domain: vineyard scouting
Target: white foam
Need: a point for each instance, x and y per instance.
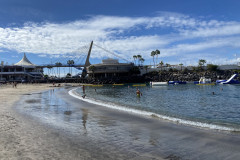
(151, 114)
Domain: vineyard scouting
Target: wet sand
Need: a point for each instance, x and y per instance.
(24, 138)
(73, 129)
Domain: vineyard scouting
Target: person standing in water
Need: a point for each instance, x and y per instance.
(83, 88)
(138, 93)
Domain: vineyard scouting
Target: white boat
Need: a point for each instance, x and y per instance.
(158, 83)
(205, 81)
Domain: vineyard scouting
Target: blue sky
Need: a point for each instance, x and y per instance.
(183, 30)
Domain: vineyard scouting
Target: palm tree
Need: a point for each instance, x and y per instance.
(49, 70)
(161, 64)
(58, 64)
(92, 68)
(181, 65)
(142, 61)
(139, 57)
(135, 57)
(70, 63)
(201, 62)
(153, 53)
(157, 52)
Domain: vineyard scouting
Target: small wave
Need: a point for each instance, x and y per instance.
(151, 114)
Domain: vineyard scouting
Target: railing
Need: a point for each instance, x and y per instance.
(28, 73)
(63, 65)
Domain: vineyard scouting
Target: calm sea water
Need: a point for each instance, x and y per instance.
(191, 103)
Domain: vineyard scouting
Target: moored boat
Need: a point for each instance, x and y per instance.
(158, 83)
(177, 82)
(205, 81)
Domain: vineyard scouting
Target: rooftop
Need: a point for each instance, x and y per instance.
(25, 62)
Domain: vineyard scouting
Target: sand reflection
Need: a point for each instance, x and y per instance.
(84, 117)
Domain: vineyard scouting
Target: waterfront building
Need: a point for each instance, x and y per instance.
(21, 71)
(109, 68)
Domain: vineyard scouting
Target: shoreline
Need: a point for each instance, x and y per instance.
(166, 118)
(95, 132)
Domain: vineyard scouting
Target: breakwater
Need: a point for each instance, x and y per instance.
(190, 76)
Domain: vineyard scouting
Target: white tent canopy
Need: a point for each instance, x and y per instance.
(25, 62)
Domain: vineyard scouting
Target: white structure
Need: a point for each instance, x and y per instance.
(110, 68)
(24, 70)
(25, 62)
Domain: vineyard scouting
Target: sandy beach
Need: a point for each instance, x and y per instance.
(74, 129)
(23, 138)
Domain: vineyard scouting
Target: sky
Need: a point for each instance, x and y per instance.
(184, 31)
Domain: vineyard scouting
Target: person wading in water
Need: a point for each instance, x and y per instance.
(138, 93)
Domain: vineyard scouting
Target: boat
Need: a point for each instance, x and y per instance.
(139, 85)
(158, 83)
(177, 82)
(205, 81)
(93, 85)
(231, 80)
(118, 84)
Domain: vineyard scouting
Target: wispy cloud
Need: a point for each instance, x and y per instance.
(125, 35)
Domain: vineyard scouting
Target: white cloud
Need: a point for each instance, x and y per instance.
(124, 35)
(225, 30)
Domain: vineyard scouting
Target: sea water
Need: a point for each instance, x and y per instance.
(216, 107)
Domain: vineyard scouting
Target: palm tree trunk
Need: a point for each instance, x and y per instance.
(153, 62)
(157, 59)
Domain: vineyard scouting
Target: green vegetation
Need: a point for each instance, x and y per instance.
(146, 67)
(135, 70)
(68, 75)
(212, 67)
(161, 64)
(46, 76)
(201, 63)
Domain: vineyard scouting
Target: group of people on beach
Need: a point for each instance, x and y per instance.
(14, 84)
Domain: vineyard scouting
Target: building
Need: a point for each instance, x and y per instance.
(109, 68)
(24, 70)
